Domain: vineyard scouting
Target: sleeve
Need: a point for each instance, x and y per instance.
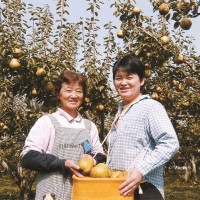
(96, 145)
(164, 137)
(36, 154)
(100, 158)
(42, 162)
(40, 137)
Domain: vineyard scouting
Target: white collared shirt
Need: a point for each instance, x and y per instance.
(41, 135)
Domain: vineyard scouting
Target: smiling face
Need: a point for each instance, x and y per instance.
(71, 96)
(128, 86)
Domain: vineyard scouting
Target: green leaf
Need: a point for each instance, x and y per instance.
(176, 16)
(167, 17)
(176, 25)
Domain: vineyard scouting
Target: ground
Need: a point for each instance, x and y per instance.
(175, 189)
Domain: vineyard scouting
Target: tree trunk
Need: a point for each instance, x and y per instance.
(26, 194)
(187, 172)
(4, 165)
(194, 167)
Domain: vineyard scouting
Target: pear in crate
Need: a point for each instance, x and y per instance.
(101, 170)
(86, 164)
(123, 174)
(114, 174)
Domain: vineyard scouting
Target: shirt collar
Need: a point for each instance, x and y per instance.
(69, 117)
(121, 104)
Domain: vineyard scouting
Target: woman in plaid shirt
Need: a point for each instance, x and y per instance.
(142, 138)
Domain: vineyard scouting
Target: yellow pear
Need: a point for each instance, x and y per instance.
(41, 72)
(147, 73)
(120, 34)
(114, 174)
(136, 10)
(34, 91)
(185, 24)
(17, 52)
(14, 63)
(49, 87)
(86, 164)
(164, 40)
(101, 170)
(123, 174)
(164, 9)
(109, 172)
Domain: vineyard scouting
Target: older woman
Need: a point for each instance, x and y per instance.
(57, 141)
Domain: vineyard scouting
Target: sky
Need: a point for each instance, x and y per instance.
(77, 9)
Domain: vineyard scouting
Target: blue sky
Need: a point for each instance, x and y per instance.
(77, 9)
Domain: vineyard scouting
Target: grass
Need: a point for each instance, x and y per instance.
(8, 190)
(178, 189)
(175, 189)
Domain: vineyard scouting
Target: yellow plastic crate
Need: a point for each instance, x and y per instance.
(88, 188)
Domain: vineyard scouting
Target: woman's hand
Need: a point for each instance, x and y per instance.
(134, 178)
(73, 167)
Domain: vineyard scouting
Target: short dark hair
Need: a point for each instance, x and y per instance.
(69, 77)
(130, 64)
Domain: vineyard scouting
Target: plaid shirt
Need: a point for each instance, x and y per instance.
(143, 138)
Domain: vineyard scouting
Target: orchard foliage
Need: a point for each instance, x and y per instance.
(172, 65)
(31, 57)
(34, 51)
